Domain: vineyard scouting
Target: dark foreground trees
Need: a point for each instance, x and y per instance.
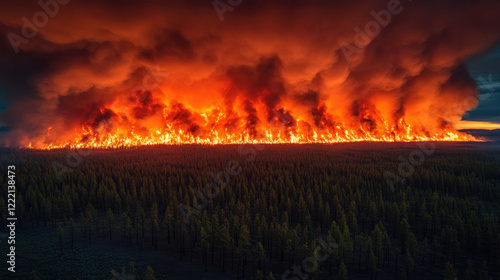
(267, 219)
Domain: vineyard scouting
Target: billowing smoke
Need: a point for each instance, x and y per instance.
(339, 68)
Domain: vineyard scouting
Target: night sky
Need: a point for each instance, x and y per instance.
(485, 68)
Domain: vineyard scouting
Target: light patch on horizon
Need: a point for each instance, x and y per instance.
(477, 125)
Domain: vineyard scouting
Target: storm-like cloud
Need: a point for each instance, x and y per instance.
(148, 63)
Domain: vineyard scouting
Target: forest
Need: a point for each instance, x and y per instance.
(259, 212)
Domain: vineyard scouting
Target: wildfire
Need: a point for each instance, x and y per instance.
(178, 125)
(309, 72)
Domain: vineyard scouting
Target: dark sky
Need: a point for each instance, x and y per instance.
(485, 69)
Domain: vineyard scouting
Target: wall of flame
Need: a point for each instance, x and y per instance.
(124, 74)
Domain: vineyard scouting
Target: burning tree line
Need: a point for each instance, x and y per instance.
(269, 217)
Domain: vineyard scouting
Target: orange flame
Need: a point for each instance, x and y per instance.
(216, 126)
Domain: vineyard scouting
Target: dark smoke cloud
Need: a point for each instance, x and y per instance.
(282, 57)
(262, 82)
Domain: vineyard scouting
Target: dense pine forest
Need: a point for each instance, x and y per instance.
(346, 211)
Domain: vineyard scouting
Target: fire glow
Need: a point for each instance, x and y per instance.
(118, 129)
(271, 72)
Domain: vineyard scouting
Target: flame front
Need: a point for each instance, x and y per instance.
(272, 72)
(175, 124)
